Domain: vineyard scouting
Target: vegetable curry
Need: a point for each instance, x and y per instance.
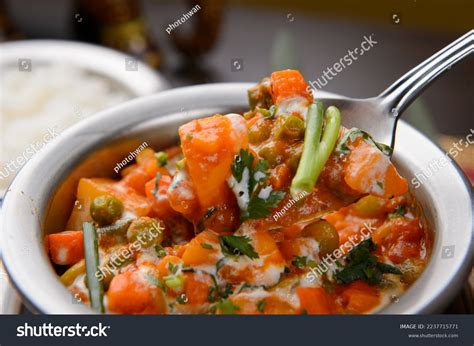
(279, 210)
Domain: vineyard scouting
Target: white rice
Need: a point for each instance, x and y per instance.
(47, 99)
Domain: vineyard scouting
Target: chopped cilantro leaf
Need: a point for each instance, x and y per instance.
(257, 207)
(206, 246)
(172, 268)
(362, 265)
(160, 251)
(351, 135)
(261, 305)
(299, 261)
(237, 246)
(400, 211)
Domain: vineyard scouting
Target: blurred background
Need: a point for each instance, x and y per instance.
(241, 40)
(159, 44)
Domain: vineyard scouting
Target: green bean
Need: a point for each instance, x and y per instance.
(316, 152)
(118, 228)
(91, 255)
(292, 128)
(73, 272)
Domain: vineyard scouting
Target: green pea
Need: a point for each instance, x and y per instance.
(271, 154)
(106, 209)
(161, 158)
(260, 132)
(146, 230)
(325, 234)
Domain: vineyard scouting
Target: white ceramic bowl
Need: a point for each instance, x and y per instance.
(92, 147)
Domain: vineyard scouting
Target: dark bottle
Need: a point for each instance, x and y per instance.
(117, 24)
(7, 30)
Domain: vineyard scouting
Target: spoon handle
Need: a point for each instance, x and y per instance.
(397, 97)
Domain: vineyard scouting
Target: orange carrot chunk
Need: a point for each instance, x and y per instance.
(157, 194)
(360, 297)
(369, 171)
(289, 83)
(313, 300)
(130, 294)
(209, 146)
(66, 248)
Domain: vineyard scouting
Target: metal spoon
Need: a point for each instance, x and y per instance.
(379, 115)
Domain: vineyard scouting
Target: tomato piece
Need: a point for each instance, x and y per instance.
(401, 238)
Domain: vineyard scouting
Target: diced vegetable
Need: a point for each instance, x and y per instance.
(289, 83)
(66, 248)
(401, 238)
(259, 95)
(209, 146)
(359, 297)
(73, 272)
(90, 188)
(313, 300)
(292, 127)
(197, 288)
(195, 254)
(157, 193)
(369, 171)
(370, 206)
(129, 293)
(94, 284)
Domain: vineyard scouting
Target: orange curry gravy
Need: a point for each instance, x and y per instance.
(353, 244)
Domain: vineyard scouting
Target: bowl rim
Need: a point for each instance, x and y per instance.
(101, 60)
(91, 133)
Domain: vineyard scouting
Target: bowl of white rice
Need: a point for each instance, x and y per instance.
(49, 85)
